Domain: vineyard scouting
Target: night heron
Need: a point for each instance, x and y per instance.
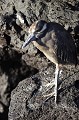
(56, 44)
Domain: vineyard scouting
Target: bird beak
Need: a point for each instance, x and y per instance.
(30, 38)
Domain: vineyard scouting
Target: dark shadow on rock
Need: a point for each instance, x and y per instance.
(17, 28)
(8, 39)
(73, 8)
(38, 84)
(12, 70)
(14, 67)
(76, 37)
(32, 97)
(76, 100)
(14, 10)
(9, 19)
(4, 115)
(76, 83)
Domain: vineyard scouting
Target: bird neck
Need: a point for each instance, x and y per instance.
(40, 46)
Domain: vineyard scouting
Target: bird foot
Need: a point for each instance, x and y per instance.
(48, 87)
(50, 94)
(50, 84)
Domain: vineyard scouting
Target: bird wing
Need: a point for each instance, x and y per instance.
(65, 47)
(61, 43)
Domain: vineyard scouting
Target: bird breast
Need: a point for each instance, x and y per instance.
(49, 53)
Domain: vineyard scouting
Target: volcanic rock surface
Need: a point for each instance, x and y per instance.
(24, 73)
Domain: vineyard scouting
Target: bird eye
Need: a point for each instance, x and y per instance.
(40, 25)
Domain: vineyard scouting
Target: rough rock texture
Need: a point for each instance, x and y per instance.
(27, 102)
(63, 12)
(12, 70)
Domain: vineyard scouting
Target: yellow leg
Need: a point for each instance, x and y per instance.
(56, 82)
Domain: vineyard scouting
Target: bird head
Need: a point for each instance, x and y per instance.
(35, 32)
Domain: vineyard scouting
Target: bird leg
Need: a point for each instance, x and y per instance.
(54, 84)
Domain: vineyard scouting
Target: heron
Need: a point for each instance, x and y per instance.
(56, 43)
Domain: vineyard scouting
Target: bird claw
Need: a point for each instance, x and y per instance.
(49, 84)
(49, 87)
(50, 94)
(52, 84)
